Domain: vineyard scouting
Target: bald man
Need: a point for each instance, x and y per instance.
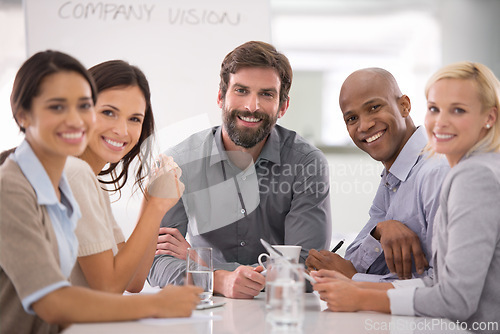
(397, 238)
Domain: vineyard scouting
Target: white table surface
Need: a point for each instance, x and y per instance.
(248, 316)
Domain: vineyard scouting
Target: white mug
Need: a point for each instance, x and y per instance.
(291, 252)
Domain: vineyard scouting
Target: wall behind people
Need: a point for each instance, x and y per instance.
(470, 30)
(429, 33)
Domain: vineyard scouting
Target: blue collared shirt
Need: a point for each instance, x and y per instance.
(409, 193)
(63, 214)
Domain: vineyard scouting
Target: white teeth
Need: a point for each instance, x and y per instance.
(249, 119)
(374, 137)
(442, 136)
(114, 143)
(72, 135)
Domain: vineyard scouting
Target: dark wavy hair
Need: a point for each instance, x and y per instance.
(118, 73)
(257, 54)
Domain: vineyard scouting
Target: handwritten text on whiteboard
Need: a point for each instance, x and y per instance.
(108, 11)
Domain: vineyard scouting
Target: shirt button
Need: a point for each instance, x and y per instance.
(242, 211)
(243, 244)
(244, 178)
(377, 249)
(394, 189)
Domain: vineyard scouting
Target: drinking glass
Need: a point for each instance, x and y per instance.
(200, 271)
(285, 288)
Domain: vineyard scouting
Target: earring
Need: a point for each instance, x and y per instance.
(488, 126)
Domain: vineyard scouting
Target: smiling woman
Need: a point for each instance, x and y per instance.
(58, 124)
(450, 124)
(132, 125)
(123, 131)
(120, 115)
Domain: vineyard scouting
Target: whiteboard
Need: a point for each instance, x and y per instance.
(179, 45)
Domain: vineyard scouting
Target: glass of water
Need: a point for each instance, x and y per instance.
(285, 288)
(200, 271)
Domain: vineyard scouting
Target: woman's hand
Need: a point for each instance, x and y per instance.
(163, 180)
(339, 292)
(177, 301)
(342, 294)
(324, 275)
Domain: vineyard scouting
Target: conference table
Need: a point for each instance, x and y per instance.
(249, 316)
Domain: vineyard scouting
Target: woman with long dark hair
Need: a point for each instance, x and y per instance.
(122, 136)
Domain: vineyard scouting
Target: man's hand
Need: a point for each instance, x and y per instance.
(245, 282)
(171, 242)
(327, 260)
(399, 244)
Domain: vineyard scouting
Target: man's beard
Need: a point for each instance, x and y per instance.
(247, 137)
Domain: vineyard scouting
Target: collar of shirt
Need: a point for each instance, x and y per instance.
(407, 158)
(270, 151)
(35, 173)
(64, 217)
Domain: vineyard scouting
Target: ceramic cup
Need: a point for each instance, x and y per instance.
(291, 252)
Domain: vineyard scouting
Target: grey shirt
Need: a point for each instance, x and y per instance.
(409, 193)
(283, 198)
(466, 249)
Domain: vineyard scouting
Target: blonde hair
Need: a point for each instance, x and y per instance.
(488, 88)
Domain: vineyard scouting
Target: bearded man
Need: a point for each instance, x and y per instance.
(245, 180)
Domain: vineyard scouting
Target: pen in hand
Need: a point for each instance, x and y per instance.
(336, 248)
